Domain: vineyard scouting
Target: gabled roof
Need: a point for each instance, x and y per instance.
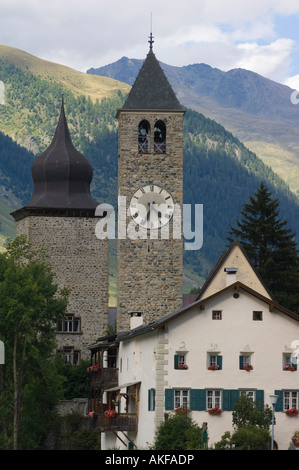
(247, 273)
(151, 89)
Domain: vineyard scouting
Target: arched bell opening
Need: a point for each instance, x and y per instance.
(144, 137)
(160, 137)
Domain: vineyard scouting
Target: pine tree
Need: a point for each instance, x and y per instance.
(271, 247)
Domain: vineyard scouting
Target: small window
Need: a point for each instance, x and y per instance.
(214, 362)
(160, 137)
(71, 356)
(144, 137)
(288, 363)
(245, 362)
(70, 324)
(217, 315)
(257, 315)
(180, 361)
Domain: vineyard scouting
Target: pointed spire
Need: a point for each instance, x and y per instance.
(61, 174)
(152, 89)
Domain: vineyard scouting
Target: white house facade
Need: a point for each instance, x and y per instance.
(203, 357)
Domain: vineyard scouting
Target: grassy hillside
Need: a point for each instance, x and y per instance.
(76, 82)
(33, 90)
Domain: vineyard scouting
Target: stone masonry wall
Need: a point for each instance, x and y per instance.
(150, 272)
(80, 262)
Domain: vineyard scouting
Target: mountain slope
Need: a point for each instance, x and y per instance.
(219, 171)
(257, 110)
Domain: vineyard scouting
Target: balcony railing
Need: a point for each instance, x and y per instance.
(105, 377)
(120, 422)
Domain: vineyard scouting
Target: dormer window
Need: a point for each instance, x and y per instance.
(160, 137)
(144, 137)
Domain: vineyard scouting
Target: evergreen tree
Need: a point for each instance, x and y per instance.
(271, 246)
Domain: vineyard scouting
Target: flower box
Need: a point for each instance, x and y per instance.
(213, 367)
(290, 368)
(215, 410)
(248, 367)
(110, 413)
(181, 409)
(182, 366)
(93, 368)
(292, 412)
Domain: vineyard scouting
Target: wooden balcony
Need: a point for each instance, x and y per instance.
(104, 378)
(120, 422)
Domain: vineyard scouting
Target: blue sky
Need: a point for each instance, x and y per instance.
(259, 35)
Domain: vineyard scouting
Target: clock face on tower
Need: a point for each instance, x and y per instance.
(151, 206)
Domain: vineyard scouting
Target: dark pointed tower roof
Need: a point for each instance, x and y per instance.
(151, 89)
(61, 174)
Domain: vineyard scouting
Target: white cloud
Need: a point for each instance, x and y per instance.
(269, 60)
(221, 33)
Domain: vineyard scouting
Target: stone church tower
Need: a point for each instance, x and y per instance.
(61, 218)
(150, 184)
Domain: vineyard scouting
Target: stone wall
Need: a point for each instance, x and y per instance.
(150, 271)
(80, 262)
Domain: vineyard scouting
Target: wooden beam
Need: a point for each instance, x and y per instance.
(124, 443)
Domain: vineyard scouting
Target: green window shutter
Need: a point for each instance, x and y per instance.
(279, 404)
(226, 400)
(219, 362)
(259, 398)
(229, 398)
(197, 399)
(241, 362)
(169, 399)
(176, 361)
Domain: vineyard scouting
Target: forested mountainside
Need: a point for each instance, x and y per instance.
(219, 171)
(259, 111)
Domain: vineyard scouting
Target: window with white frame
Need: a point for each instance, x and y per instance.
(290, 399)
(181, 359)
(248, 393)
(181, 398)
(214, 361)
(213, 399)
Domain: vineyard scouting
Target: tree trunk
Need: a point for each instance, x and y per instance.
(16, 395)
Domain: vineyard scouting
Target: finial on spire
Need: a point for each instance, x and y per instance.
(151, 37)
(151, 41)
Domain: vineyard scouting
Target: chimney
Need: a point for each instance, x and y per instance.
(231, 275)
(135, 320)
